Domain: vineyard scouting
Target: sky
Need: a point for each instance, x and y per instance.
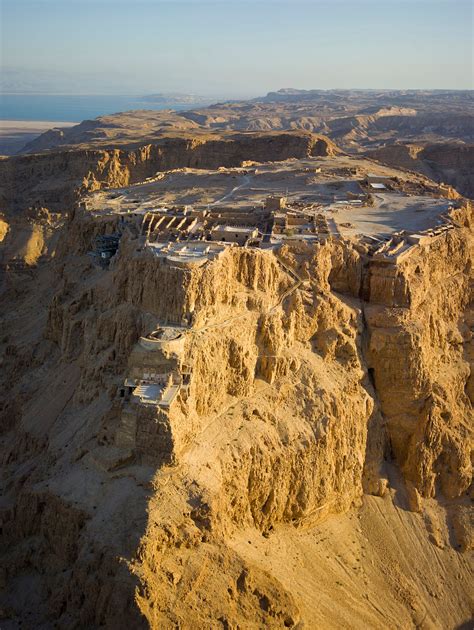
(234, 48)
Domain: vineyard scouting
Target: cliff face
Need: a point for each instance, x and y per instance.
(315, 376)
(26, 239)
(56, 180)
(343, 386)
(419, 342)
(442, 162)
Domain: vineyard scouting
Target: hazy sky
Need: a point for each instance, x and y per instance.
(234, 47)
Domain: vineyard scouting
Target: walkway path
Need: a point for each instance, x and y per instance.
(246, 182)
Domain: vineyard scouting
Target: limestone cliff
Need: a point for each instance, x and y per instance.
(449, 163)
(418, 344)
(316, 374)
(56, 180)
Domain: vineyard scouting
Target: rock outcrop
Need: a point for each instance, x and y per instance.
(324, 428)
(312, 372)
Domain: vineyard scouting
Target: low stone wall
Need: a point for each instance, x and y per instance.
(162, 345)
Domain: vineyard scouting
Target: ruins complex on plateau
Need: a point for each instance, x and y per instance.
(237, 375)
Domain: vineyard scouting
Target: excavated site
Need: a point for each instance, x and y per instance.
(237, 388)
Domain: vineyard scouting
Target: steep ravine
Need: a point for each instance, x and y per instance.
(359, 380)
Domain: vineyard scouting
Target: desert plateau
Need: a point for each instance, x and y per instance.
(237, 339)
(237, 374)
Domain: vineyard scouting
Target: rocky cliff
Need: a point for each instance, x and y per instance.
(321, 380)
(448, 163)
(56, 180)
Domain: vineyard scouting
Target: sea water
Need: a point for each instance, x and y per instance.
(70, 108)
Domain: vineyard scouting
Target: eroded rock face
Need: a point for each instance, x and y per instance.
(444, 162)
(309, 368)
(418, 350)
(298, 449)
(58, 179)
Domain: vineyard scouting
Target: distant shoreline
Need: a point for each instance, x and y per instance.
(32, 125)
(67, 108)
(15, 134)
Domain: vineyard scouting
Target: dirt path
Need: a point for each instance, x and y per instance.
(245, 183)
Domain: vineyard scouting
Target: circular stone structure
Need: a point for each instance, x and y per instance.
(165, 334)
(169, 340)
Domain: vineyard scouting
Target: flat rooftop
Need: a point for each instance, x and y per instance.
(148, 393)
